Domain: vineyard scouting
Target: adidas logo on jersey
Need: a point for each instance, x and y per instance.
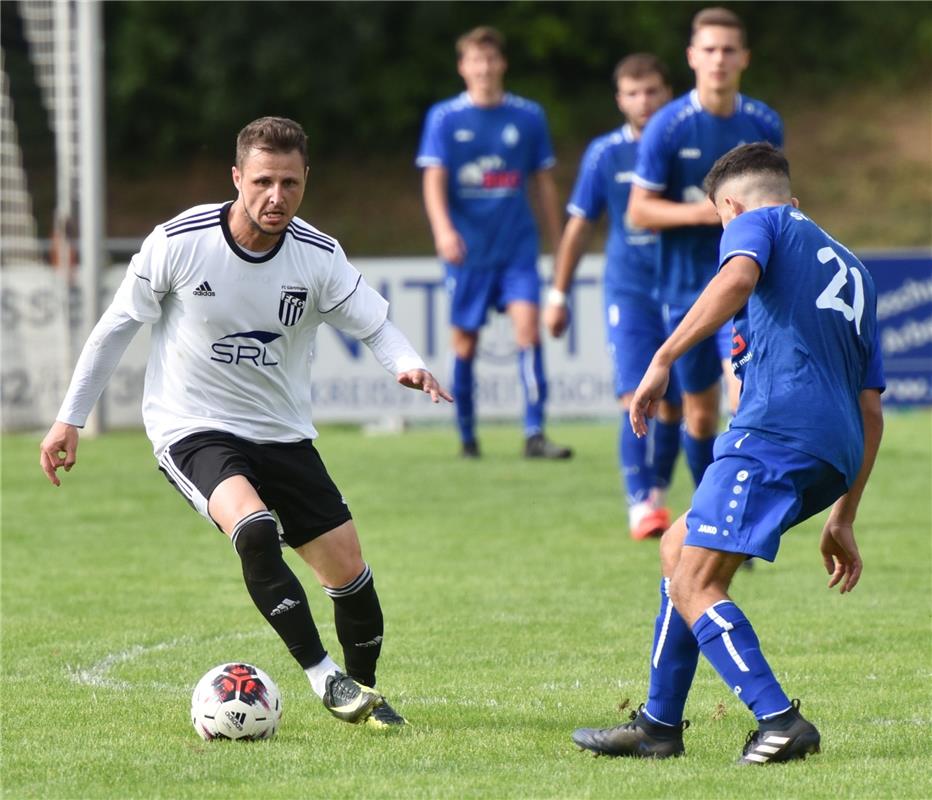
(285, 605)
(204, 290)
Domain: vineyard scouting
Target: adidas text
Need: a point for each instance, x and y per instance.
(204, 290)
(284, 605)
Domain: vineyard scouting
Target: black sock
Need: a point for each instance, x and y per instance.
(357, 616)
(275, 589)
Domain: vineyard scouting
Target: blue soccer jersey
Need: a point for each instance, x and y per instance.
(678, 148)
(813, 322)
(604, 181)
(488, 153)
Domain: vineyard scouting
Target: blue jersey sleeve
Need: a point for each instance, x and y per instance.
(588, 198)
(653, 165)
(749, 234)
(773, 128)
(433, 149)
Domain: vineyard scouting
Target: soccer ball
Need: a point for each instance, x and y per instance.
(236, 701)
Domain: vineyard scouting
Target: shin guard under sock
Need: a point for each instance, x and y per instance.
(727, 639)
(672, 664)
(357, 616)
(275, 589)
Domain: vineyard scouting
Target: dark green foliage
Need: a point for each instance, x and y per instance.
(183, 77)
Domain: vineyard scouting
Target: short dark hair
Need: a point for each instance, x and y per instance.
(483, 36)
(273, 135)
(756, 158)
(722, 18)
(640, 65)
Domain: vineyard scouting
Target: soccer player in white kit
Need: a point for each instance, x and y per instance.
(235, 293)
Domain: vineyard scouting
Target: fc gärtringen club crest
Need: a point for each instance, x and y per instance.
(292, 304)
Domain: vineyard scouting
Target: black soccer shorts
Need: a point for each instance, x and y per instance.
(289, 477)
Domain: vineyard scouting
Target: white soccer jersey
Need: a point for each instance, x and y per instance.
(233, 332)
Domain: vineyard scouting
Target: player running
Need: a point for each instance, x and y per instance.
(804, 438)
(482, 152)
(633, 320)
(235, 293)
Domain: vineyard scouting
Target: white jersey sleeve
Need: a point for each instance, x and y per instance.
(347, 302)
(99, 357)
(393, 350)
(147, 280)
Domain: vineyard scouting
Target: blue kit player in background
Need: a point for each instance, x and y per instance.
(633, 322)
(482, 152)
(679, 145)
(804, 438)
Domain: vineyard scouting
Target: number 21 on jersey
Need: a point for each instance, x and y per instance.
(829, 298)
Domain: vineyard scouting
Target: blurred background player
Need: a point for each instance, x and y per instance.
(633, 321)
(235, 293)
(811, 308)
(679, 146)
(482, 152)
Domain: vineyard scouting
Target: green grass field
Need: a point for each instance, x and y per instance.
(516, 607)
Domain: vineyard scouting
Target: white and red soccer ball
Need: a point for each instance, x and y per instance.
(236, 701)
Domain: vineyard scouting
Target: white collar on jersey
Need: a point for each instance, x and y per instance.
(694, 101)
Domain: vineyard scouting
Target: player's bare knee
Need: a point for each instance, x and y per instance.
(464, 343)
(669, 554)
(668, 413)
(526, 339)
(679, 590)
(702, 423)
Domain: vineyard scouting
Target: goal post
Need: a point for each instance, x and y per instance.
(62, 41)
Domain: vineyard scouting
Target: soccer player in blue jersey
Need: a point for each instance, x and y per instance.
(633, 322)
(804, 438)
(679, 146)
(482, 152)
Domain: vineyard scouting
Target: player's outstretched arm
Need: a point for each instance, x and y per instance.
(427, 383)
(394, 352)
(99, 357)
(839, 549)
(58, 449)
(725, 295)
(650, 209)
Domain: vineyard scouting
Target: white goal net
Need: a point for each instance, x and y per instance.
(41, 79)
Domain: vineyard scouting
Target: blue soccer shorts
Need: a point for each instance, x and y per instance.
(755, 490)
(474, 290)
(634, 331)
(701, 366)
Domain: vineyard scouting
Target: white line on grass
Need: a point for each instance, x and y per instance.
(98, 673)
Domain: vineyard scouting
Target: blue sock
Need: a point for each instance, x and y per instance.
(698, 454)
(534, 384)
(727, 639)
(463, 391)
(632, 461)
(666, 449)
(672, 663)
